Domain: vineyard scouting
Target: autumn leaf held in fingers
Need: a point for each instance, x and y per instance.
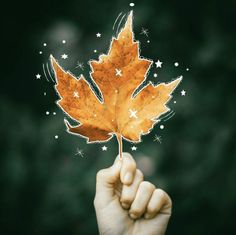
(117, 75)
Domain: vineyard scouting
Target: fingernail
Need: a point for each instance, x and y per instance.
(125, 205)
(133, 216)
(128, 178)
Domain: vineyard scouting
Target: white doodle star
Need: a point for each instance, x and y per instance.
(157, 138)
(98, 35)
(79, 152)
(158, 64)
(133, 148)
(38, 76)
(133, 113)
(183, 92)
(64, 56)
(76, 94)
(104, 148)
(80, 65)
(118, 72)
(144, 31)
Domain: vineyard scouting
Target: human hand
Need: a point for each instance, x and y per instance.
(127, 205)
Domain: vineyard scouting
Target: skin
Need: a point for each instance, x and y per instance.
(125, 204)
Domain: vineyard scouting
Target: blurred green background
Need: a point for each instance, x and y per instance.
(45, 187)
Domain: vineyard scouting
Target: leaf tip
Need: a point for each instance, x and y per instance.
(178, 80)
(173, 84)
(53, 61)
(129, 21)
(180, 77)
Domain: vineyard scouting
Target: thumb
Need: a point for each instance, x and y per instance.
(106, 179)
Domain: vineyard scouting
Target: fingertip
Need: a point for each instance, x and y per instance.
(125, 205)
(133, 216)
(124, 155)
(127, 155)
(128, 169)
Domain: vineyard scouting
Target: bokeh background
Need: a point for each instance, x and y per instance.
(46, 188)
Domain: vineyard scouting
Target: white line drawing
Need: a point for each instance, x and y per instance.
(79, 152)
(117, 30)
(144, 32)
(45, 73)
(49, 73)
(157, 138)
(166, 115)
(116, 20)
(172, 115)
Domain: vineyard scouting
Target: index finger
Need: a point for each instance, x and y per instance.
(128, 169)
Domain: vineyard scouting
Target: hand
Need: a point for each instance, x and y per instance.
(126, 205)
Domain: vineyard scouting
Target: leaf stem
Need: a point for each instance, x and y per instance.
(119, 139)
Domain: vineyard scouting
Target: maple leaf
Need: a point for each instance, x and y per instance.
(117, 75)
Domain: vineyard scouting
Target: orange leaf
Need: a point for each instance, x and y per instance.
(117, 75)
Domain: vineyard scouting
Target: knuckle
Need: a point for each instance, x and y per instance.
(147, 185)
(139, 174)
(164, 197)
(161, 193)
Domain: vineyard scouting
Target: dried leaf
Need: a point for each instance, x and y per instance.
(117, 75)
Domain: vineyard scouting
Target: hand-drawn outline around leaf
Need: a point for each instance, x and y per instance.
(110, 116)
